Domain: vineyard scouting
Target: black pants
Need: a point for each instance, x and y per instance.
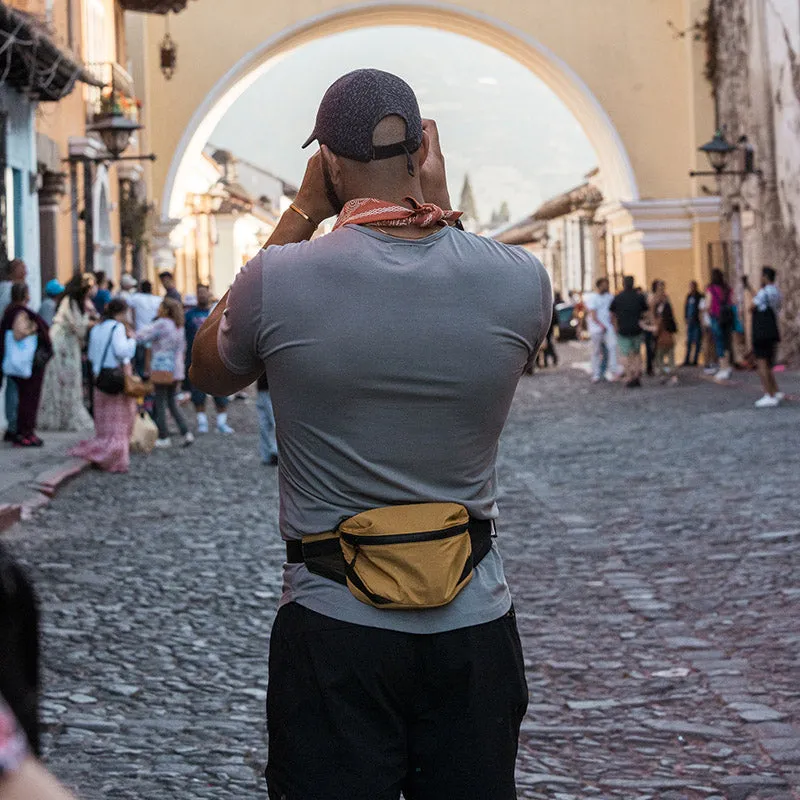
(358, 713)
(650, 350)
(547, 352)
(165, 396)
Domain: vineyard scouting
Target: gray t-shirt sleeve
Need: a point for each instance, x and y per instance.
(241, 323)
(545, 302)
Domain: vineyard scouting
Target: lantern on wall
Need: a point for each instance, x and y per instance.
(718, 150)
(169, 54)
(115, 131)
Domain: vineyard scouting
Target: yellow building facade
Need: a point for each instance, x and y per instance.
(81, 188)
(93, 30)
(637, 90)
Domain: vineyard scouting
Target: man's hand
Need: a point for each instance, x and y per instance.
(433, 174)
(312, 197)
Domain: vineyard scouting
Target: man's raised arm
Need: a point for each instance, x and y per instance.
(208, 372)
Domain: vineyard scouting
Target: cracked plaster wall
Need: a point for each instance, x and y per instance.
(758, 94)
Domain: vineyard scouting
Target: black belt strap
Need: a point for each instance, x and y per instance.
(480, 531)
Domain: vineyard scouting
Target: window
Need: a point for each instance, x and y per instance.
(97, 39)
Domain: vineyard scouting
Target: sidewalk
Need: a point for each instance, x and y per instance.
(30, 476)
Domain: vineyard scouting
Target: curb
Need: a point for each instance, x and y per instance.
(45, 486)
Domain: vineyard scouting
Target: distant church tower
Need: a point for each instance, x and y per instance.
(467, 205)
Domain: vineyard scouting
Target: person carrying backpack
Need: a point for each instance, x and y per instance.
(719, 302)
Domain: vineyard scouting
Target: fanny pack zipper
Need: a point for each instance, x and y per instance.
(404, 538)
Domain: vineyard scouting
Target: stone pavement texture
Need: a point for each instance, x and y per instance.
(651, 537)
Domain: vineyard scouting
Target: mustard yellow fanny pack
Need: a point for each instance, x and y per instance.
(399, 557)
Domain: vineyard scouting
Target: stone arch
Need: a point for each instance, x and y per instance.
(619, 179)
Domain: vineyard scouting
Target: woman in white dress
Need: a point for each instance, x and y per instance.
(63, 407)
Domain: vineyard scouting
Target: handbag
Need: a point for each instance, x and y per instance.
(18, 356)
(665, 340)
(727, 315)
(144, 433)
(137, 388)
(42, 355)
(110, 380)
(162, 369)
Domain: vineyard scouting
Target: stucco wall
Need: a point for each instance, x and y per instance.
(644, 78)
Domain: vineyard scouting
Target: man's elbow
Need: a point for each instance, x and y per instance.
(203, 378)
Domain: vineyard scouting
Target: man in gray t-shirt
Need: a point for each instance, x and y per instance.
(393, 355)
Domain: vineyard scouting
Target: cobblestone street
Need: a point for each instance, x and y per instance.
(652, 540)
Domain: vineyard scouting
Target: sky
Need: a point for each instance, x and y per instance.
(498, 122)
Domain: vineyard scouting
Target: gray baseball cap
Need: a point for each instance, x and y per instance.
(355, 104)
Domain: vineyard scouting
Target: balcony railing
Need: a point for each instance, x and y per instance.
(117, 96)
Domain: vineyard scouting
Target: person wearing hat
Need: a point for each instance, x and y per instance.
(128, 285)
(53, 291)
(127, 290)
(393, 347)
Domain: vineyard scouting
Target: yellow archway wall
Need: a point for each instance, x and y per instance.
(638, 91)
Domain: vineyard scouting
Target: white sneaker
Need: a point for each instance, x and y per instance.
(723, 375)
(188, 439)
(768, 401)
(162, 444)
(202, 423)
(710, 370)
(781, 396)
(223, 427)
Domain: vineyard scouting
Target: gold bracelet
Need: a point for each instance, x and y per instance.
(298, 210)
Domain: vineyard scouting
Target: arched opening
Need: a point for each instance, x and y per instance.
(619, 179)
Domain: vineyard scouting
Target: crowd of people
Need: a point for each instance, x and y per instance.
(65, 366)
(634, 332)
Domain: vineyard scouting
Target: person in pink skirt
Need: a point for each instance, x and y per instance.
(111, 344)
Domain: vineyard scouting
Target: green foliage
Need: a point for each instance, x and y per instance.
(136, 220)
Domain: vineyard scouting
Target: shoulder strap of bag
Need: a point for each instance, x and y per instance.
(108, 345)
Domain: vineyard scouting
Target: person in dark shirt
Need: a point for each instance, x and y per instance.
(694, 328)
(627, 310)
(195, 318)
(168, 282)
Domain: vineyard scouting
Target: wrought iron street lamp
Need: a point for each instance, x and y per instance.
(719, 150)
(115, 131)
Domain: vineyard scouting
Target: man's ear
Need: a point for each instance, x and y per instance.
(332, 164)
(425, 148)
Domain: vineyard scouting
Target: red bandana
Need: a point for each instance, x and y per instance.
(369, 211)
